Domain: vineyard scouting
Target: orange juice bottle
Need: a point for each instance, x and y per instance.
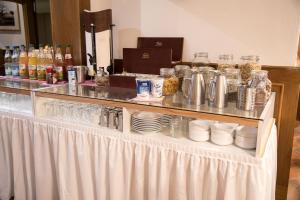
(32, 64)
(23, 63)
(59, 63)
(41, 64)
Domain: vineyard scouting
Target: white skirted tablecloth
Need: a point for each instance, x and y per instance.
(53, 160)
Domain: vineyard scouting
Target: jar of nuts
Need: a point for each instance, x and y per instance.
(248, 63)
(225, 61)
(171, 82)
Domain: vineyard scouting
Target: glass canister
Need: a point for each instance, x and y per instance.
(180, 71)
(200, 60)
(259, 81)
(233, 78)
(225, 61)
(248, 63)
(171, 82)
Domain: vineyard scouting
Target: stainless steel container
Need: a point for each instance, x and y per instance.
(197, 89)
(218, 93)
(81, 72)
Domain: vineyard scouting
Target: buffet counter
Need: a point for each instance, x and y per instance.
(61, 151)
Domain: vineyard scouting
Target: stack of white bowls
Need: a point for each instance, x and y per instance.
(246, 137)
(223, 133)
(199, 130)
(146, 123)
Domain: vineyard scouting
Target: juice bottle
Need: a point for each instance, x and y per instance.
(32, 64)
(41, 67)
(59, 64)
(23, 63)
(68, 58)
(7, 61)
(15, 62)
(49, 65)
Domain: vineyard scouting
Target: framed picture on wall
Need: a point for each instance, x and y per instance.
(9, 16)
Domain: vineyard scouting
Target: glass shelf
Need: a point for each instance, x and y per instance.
(124, 97)
(20, 86)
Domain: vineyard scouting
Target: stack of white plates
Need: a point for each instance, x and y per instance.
(199, 130)
(246, 137)
(166, 120)
(222, 133)
(146, 123)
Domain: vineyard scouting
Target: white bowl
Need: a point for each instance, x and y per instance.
(201, 124)
(246, 131)
(245, 143)
(199, 136)
(222, 139)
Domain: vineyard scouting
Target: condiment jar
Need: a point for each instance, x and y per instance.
(225, 61)
(233, 78)
(259, 81)
(248, 63)
(171, 82)
(200, 60)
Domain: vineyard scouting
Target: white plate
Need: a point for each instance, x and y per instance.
(146, 115)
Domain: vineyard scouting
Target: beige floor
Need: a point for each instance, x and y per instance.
(294, 183)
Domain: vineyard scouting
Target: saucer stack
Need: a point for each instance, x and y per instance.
(223, 133)
(146, 123)
(246, 137)
(199, 130)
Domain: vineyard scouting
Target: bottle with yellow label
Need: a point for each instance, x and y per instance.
(59, 63)
(23, 63)
(32, 64)
(41, 64)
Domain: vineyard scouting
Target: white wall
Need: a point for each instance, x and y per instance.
(14, 38)
(269, 28)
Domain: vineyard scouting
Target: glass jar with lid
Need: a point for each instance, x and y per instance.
(247, 64)
(233, 78)
(225, 61)
(200, 60)
(259, 81)
(171, 82)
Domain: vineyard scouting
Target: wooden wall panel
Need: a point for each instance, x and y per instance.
(286, 82)
(67, 27)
